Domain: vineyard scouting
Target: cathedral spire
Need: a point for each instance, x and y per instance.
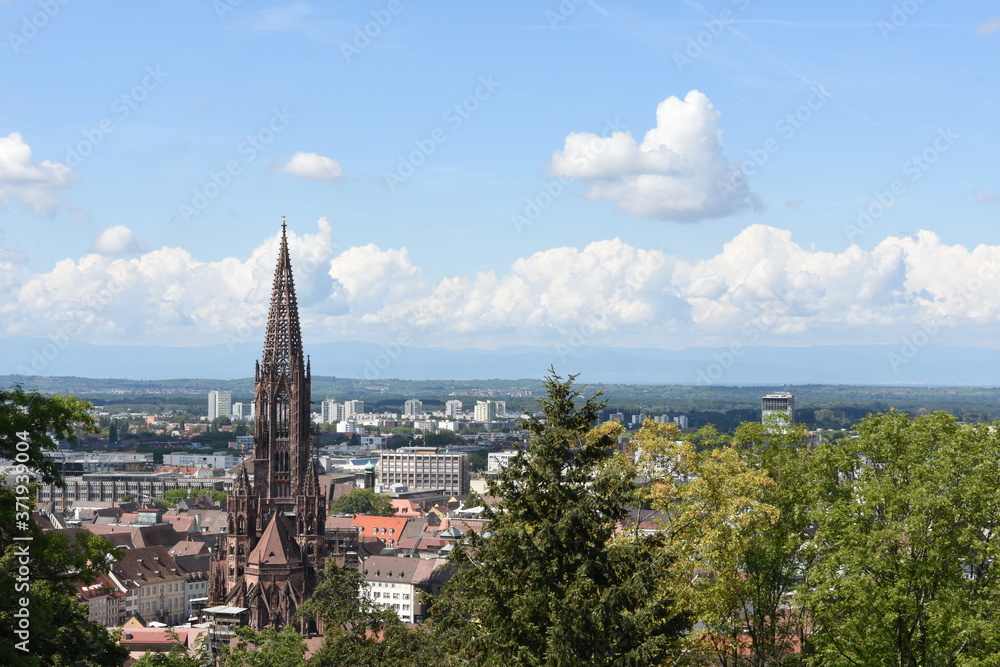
(283, 339)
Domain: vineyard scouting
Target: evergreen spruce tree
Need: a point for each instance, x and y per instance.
(547, 584)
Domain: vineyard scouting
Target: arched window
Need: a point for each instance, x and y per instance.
(282, 410)
(242, 525)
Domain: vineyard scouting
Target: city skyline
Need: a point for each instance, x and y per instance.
(723, 175)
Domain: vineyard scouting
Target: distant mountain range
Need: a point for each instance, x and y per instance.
(834, 364)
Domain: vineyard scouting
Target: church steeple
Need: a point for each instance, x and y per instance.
(275, 543)
(282, 451)
(283, 338)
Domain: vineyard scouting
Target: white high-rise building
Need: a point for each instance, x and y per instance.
(413, 407)
(486, 411)
(453, 409)
(243, 411)
(331, 411)
(352, 408)
(220, 404)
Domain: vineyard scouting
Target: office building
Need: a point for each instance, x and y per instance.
(780, 403)
(425, 470)
(331, 411)
(485, 411)
(220, 404)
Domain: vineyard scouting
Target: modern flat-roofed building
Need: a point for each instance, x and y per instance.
(780, 403)
(113, 487)
(220, 404)
(486, 411)
(496, 461)
(425, 470)
(216, 460)
(243, 411)
(331, 411)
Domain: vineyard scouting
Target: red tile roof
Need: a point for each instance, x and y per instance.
(386, 528)
(276, 546)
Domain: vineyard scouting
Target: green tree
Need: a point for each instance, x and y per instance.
(773, 560)
(178, 655)
(906, 545)
(358, 632)
(712, 504)
(267, 648)
(36, 567)
(549, 585)
(363, 501)
(478, 460)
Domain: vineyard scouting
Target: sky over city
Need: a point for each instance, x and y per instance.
(455, 174)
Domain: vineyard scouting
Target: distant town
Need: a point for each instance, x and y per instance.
(223, 512)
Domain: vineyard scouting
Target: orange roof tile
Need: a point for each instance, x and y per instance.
(276, 546)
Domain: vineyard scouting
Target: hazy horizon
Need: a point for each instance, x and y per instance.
(725, 177)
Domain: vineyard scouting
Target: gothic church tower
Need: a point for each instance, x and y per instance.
(275, 541)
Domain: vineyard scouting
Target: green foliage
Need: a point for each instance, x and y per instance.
(178, 655)
(772, 561)
(60, 634)
(42, 569)
(44, 419)
(267, 648)
(473, 500)
(478, 460)
(358, 632)
(443, 438)
(363, 501)
(713, 506)
(548, 586)
(906, 545)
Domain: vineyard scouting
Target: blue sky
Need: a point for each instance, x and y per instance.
(149, 150)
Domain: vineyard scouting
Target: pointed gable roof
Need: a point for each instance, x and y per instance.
(276, 546)
(282, 338)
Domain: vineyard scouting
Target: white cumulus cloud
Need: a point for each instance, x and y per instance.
(677, 172)
(760, 288)
(26, 181)
(311, 166)
(116, 240)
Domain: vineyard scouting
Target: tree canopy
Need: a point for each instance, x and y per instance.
(903, 564)
(549, 585)
(37, 569)
(363, 501)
